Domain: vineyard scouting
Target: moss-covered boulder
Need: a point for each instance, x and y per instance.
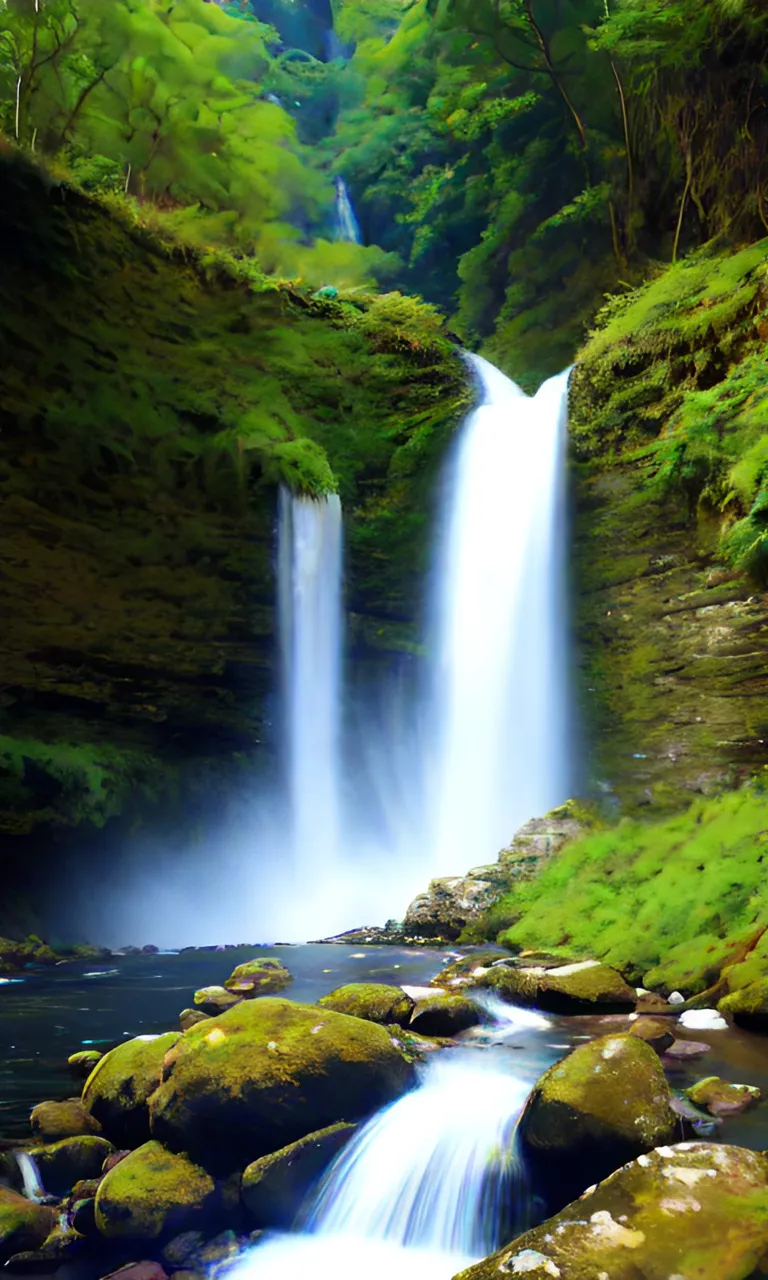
(268, 1072)
(213, 1000)
(153, 1193)
(68, 1119)
(117, 1090)
(693, 1210)
(374, 1001)
(81, 1064)
(584, 987)
(190, 1018)
(274, 1187)
(62, 1164)
(720, 1098)
(23, 1224)
(748, 1006)
(440, 1015)
(260, 977)
(603, 1104)
(460, 972)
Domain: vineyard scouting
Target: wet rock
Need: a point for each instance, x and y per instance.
(190, 1018)
(113, 1159)
(268, 1072)
(696, 1209)
(748, 1006)
(178, 1252)
(62, 1164)
(654, 1031)
(24, 1225)
(213, 1000)
(462, 969)
(720, 1098)
(274, 1187)
(63, 1245)
(584, 987)
(259, 977)
(84, 1216)
(68, 1119)
(685, 1050)
(374, 1001)
(445, 1015)
(117, 1090)
(81, 1064)
(147, 1270)
(603, 1104)
(217, 1253)
(151, 1193)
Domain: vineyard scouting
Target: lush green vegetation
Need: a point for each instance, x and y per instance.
(669, 903)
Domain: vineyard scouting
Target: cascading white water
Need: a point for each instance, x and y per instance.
(428, 1186)
(499, 725)
(309, 576)
(347, 225)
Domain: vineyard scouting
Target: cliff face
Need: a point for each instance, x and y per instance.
(150, 403)
(669, 433)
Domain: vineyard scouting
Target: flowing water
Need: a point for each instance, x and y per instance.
(429, 1185)
(347, 225)
(310, 560)
(500, 699)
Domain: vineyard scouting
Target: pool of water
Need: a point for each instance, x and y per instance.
(51, 1013)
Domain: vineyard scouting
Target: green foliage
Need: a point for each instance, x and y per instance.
(667, 902)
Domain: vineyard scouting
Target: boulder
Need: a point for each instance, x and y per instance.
(153, 1193)
(720, 1098)
(603, 1104)
(656, 1032)
(585, 987)
(117, 1089)
(274, 1187)
(190, 1017)
(461, 970)
(213, 1000)
(449, 905)
(146, 1270)
(374, 1001)
(697, 1209)
(23, 1224)
(440, 1015)
(62, 1247)
(62, 1164)
(81, 1064)
(268, 1072)
(68, 1119)
(260, 977)
(748, 1006)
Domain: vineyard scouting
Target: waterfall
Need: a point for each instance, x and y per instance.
(309, 577)
(428, 1186)
(499, 750)
(347, 226)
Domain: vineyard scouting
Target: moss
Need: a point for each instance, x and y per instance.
(748, 1005)
(153, 1193)
(117, 1090)
(374, 1001)
(683, 893)
(260, 977)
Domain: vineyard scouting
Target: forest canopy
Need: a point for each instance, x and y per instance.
(510, 160)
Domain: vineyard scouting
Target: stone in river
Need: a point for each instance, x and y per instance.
(68, 1119)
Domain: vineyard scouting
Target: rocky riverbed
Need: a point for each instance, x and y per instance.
(237, 1076)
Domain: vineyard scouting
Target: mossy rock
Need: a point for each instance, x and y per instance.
(444, 1015)
(81, 1064)
(153, 1193)
(459, 972)
(603, 1104)
(23, 1224)
(268, 1072)
(117, 1090)
(748, 1006)
(68, 1119)
(274, 1187)
(696, 1209)
(584, 987)
(190, 1018)
(374, 1001)
(62, 1164)
(720, 1098)
(213, 1000)
(657, 1032)
(260, 977)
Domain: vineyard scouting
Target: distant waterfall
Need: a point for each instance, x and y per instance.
(310, 554)
(347, 226)
(428, 1186)
(500, 721)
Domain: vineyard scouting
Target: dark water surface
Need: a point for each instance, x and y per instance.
(51, 1013)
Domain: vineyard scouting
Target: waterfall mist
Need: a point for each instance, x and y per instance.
(347, 225)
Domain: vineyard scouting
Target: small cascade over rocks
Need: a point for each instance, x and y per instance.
(347, 225)
(429, 1185)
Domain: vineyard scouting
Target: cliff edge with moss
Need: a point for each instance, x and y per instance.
(152, 399)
